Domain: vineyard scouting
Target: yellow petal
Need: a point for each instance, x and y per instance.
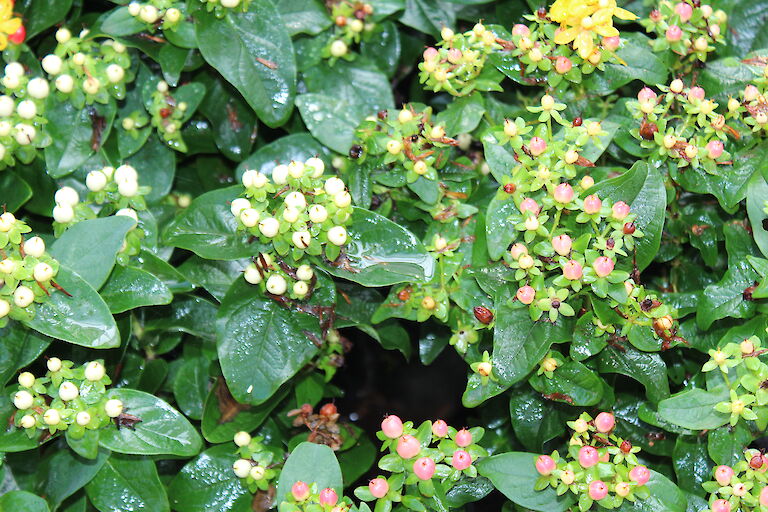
(584, 44)
(606, 31)
(10, 26)
(3, 42)
(566, 36)
(624, 14)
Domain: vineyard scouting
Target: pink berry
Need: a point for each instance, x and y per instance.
(328, 497)
(300, 491)
(440, 428)
(378, 487)
(592, 204)
(721, 506)
(392, 426)
(563, 65)
(538, 146)
(463, 438)
(604, 422)
(655, 16)
(525, 294)
(520, 30)
(674, 33)
(723, 475)
(620, 210)
(408, 447)
(684, 10)
(563, 193)
(751, 93)
(646, 94)
(545, 465)
(430, 53)
(696, 93)
(640, 475)
(623, 488)
(603, 266)
(611, 43)
(454, 55)
(424, 468)
(562, 245)
(715, 148)
(764, 496)
(461, 460)
(588, 456)
(530, 205)
(572, 270)
(597, 490)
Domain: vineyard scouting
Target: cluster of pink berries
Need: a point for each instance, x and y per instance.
(257, 464)
(85, 71)
(682, 124)
(414, 463)
(26, 270)
(307, 498)
(752, 110)
(741, 488)
(22, 115)
(688, 28)
(457, 65)
(599, 466)
(351, 24)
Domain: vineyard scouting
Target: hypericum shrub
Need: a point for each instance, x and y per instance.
(741, 487)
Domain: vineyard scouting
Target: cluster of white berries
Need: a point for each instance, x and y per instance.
(26, 270)
(255, 464)
(21, 110)
(351, 25)
(228, 4)
(155, 13)
(86, 69)
(276, 280)
(54, 401)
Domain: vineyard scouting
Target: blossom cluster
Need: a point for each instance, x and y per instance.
(351, 25)
(598, 467)
(742, 487)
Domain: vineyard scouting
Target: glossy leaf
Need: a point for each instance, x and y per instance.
(310, 462)
(130, 288)
(124, 482)
(695, 409)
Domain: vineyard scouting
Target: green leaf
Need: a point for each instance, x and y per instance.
(119, 22)
(130, 288)
(691, 463)
(83, 319)
(310, 463)
(127, 483)
(14, 191)
(515, 475)
(534, 420)
(77, 247)
(190, 387)
(71, 133)
(20, 347)
(665, 496)
(156, 166)
(641, 64)
(747, 27)
(573, 379)
(222, 419)
(519, 343)
(222, 492)
(234, 123)
(192, 315)
(66, 473)
(208, 228)
(304, 16)
(648, 369)
(643, 189)
(41, 14)
(370, 262)
(296, 146)
(261, 344)
(22, 500)
(501, 232)
(332, 121)
(695, 409)
(162, 430)
(428, 16)
(463, 114)
(253, 51)
(757, 195)
(214, 276)
(725, 445)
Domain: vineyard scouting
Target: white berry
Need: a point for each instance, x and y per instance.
(7, 266)
(291, 215)
(305, 272)
(301, 239)
(162, 86)
(128, 212)
(95, 371)
(7, 106)
(280, 174)
(83, 418)
(68, 391)
(91, 85)
(242, 439)
(23, 400)
(342, 199)
(337, 235)
(300, 288)
(317, 213)
(296, 169)
(276, 284)
(252, 274)
(5, 128)
(258, 472)
(51, 417)
(238, 205)
(5, 308)
(28, 421)
(66, 196)
(128, 188)
(230, 3)
(115, 73)
(27, 109)
(134, 8)
(26, 379)
(269, 227)
(248, 178)
(148, 13)
(172, 15)
(333, 186)
(23, 296)
(63, 214)
(7, 220)
(25, 134)
(241, 467)
(296, 200)
(113, 408)
(14, 69)
(96, 181)
(54, 364)
(65, 83)
(34, 247)
(338, 48)
(38, 88)
(317, 166)
(249, 217)
(63, 35)
(42, 272)
(126, 173)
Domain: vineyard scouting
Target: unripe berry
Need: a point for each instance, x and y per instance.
(723, 475)
(172, 15)
(571, 156)
(315, 165)
(296, 200)
(572, 270)
(428, 303)
(603, 266)
(231, 4)
(23, 400)
(530, 205)
(531, 224)
(300, 289)
(23, 296)
(568, 477)
(338, 48)
(525, 262)
(241, 467)
(454, 55)
(701, 44)
(66, 196)
(510, 128)
(392, 426)
(594, 128)
(463, 438)
(537, 146)
(640, 475)
(408, 446)
(328, 497)
(51, 417)
(28, 421)
(518, 250)
(257, 473)
(83, 418)
(68, 391)
(684, 11)
(342, 199)
(739, 489)
(95, 371)
(562, 64)
(420, 167)
(394, 147)
(715, 149)
(604, 422)
(115, 73)
(95, 181)
(535, 55)
(52, 64)
(148, 13)
(588, 456)
(562, 244)
(721, 506)
(42, 272)
(296, 169)
(252, 274)
(276, 284)
(300, 491)
(592, 204)
(526, 294)
(65, 83)
(113, 408)
(337, 235)
(674, 33)
(430, 53)
(128, 212)
(7, 266)
(563, 193)
(7, 220)
(545, 465)
(547, 102)
(269, 227)
(91, 85)
(597, 490)
(26, 379)
(305, 273)
(63, 35)
(5, 128)
(134, 8)
(611, 42)
(424, 468)
(378, 487)
(587, 182)
(54, 364)
(484, 369)
(27, 109)
(696, 93)
(646, 94)
(333, 186)
(676, 86)
(440, 428)
(691, 151)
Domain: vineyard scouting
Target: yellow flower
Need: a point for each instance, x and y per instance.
(581, 19)
(8, 24)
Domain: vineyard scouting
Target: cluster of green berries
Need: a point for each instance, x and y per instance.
(419, 456)
(26, 270)
(598, 467)
(689, 29)
(221, 7)
(258, 464)
(298, 211)
(748, 390)
(741, 488)
(307, 498)
(66, 398)
(751, 108)
(110, 192)
(457, 65)
(682, 124)
(22, 115)
(162, 14)
(406, 139)
(85, 70)
(351, 24)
